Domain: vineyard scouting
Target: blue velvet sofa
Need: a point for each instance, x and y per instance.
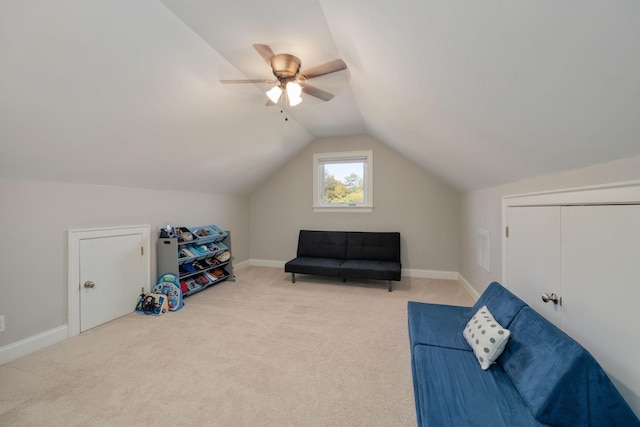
(348, 255)
(542, 378)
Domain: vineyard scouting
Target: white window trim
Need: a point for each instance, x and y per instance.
(318, 206)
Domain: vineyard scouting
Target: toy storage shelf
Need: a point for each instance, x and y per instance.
(200, 261)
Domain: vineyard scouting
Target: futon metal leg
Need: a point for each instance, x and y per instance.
(293, 277)
(389, 285)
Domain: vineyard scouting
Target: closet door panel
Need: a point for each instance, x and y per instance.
(534, 260)
(601, 288)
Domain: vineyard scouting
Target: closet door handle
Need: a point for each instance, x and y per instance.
(89, 284)
(553, 297)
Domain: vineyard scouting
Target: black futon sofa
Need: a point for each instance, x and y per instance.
(348, 255)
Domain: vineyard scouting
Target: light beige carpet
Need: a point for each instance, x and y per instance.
(258, 352)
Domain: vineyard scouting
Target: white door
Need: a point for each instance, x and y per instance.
(601, 290)
(110, 278)
(534, 258)
(107, 269)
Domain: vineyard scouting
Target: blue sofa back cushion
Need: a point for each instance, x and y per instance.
(502, 304)
(373, 246)
(322, 244)
(437, 325)
(560, 380)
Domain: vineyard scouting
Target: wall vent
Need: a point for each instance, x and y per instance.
(484, 239)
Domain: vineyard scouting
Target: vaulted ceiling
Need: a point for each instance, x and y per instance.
(127, 92)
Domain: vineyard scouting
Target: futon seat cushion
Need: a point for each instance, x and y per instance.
(452, 390)
(370, 270)
(316, 266)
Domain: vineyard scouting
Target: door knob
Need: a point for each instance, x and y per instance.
(553, 297)
(89, 284)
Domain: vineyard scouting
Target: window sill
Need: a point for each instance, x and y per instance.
(360, 209)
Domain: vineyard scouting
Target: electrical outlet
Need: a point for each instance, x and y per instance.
(1, 323)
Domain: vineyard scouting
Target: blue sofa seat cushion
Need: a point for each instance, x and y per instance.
(316, 266)
(452, 390)
(559, 379)
(438, 325)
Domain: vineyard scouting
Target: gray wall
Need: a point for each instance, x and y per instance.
(406, 199)
(482, 209)
(35, 217)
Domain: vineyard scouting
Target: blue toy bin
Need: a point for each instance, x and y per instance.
(208, 233)
(190, 248)
(194, 237)
(219, 247)
(201, 251)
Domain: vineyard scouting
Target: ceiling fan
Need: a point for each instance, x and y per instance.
(289, 78)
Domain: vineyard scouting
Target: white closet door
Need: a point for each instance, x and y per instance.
(534, 258)
(113, 267)
(601, 288)
(107, 268)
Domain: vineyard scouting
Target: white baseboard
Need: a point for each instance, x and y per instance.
(243, 264)
(430, 274)
(267, 263)
(474, 293)
(37, 342)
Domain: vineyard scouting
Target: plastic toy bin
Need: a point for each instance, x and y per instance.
(208, 232)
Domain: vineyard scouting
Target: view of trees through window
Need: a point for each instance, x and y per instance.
(344, 182)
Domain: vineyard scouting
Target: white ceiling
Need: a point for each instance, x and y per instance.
(127, 92)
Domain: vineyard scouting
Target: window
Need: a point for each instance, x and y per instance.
(343, 182)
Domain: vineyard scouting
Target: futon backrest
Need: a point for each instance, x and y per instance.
(322, 244)
(559, 379)
(373, 246)
(502, 304)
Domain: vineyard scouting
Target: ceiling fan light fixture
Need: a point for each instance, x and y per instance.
(286, 69)
(294, 90)
(294, 100)
(274, 94)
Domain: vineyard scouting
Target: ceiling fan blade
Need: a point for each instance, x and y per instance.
(264, 51)
(321, 70)
(318, 93)
(249, 81)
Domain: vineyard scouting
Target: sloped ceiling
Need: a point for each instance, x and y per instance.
(127, 92)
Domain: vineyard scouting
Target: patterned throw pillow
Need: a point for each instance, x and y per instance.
(486, 337)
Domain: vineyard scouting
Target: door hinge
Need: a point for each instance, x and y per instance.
(141, 250)
(506, 232)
